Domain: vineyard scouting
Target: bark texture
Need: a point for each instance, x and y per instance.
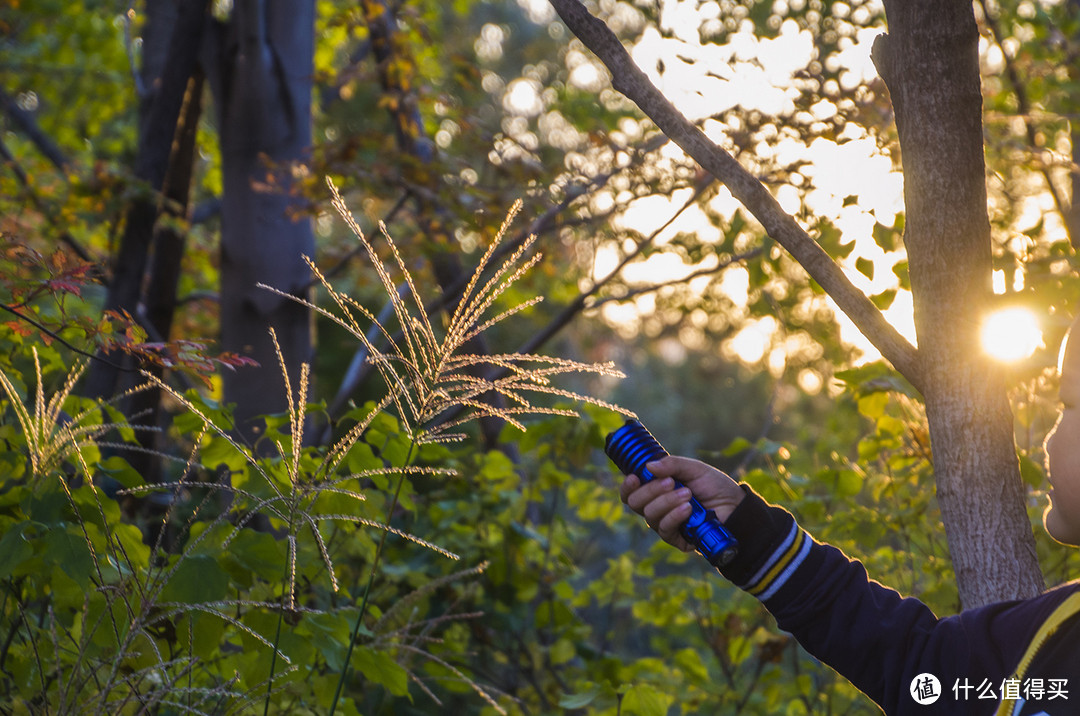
(169, 75)
(929, 60)
(260, 67)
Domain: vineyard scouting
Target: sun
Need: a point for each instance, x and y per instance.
(1011, 334)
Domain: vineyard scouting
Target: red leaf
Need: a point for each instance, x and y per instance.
(19, 327)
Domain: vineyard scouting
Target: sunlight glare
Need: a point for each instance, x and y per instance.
(1011, 334)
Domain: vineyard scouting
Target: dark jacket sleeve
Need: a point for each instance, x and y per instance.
(870, 634)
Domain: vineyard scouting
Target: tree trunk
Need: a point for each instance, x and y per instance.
(163, 278)
(260, 68)
(929, 60)
(169, 75)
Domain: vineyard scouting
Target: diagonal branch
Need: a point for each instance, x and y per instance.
(8, 159)
(56, 337)
(25, 121)
(628, 79)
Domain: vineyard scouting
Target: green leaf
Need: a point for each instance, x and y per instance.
(258, 552)
(646, 700)
(873, 405)
(739, 649)
(737, 446)
(884, 299)
(118, 469)
(204, 632)
(14, 549)
(580, 700)
(865, 266)
(848, 483)
(197, 579)
(362, 458)
(380, 667)
(496, 466)
(219, 451)
(188, 423)
(689, 660)
(900, 268)
(329, 634)
(1030, 470)
(66, 547)
(885, 237)
(562, 651)
(875, 377)
(48, 506)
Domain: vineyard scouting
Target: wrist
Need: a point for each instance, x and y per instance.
(732, 495)
(771, 545)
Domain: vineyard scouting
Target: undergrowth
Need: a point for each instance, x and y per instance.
(256, 586)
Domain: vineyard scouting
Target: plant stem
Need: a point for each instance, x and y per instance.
(281, 618)
(273, 653)
(371, 580)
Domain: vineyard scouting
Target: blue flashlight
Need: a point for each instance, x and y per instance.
(630, 447)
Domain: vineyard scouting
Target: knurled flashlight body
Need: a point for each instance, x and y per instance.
(630, 448)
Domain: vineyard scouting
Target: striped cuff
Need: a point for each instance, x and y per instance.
(772, 546)
(780, 565)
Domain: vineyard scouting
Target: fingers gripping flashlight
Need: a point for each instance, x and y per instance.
(630, 447)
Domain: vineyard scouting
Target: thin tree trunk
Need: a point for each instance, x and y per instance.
(157, 132)
(159, 304)
(260, 69)
(929, 60)
(435, 221)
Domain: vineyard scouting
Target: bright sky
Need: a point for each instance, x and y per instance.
(756, 74)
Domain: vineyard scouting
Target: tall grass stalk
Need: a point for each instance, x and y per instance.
(427, 375)
(433, 387)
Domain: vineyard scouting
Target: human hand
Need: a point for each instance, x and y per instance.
(666, 509)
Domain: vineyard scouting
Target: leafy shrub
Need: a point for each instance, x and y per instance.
(262, 583)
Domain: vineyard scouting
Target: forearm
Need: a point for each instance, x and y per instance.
(867, 632)
(870, 634)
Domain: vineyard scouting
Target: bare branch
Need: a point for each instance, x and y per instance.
(25, 121)
(582, 302)
(39, 204)
(628, 79)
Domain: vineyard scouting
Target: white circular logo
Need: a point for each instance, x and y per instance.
(925, 689)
